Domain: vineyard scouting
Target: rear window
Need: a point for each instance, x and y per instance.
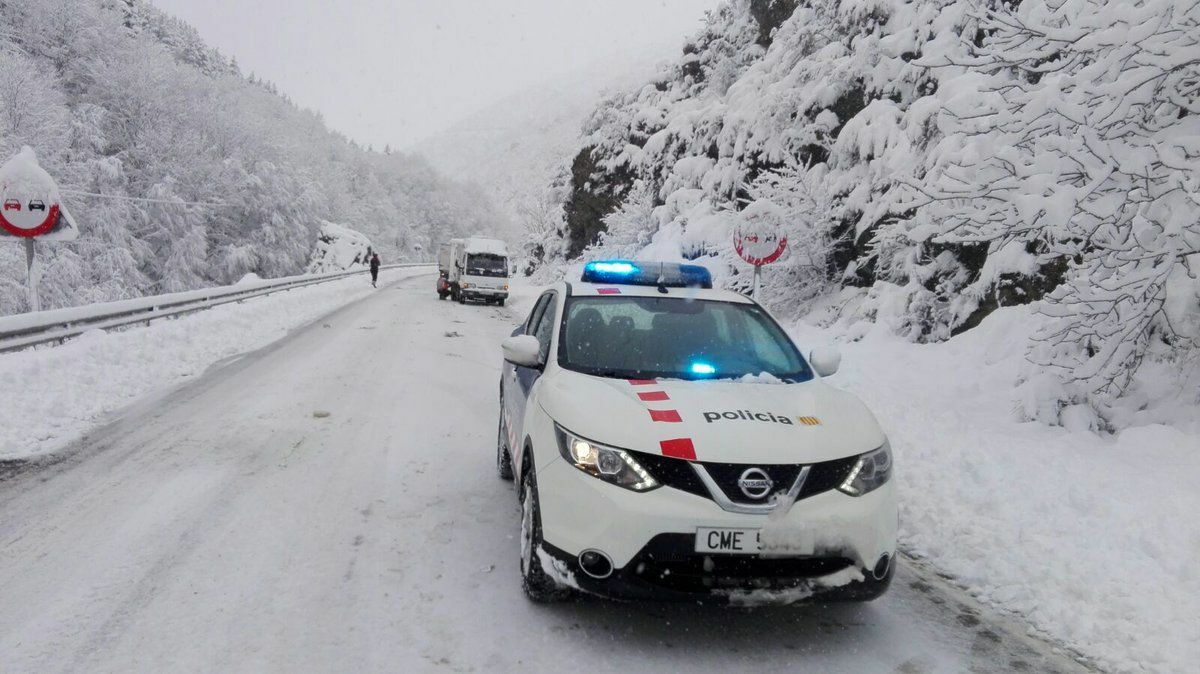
(676, 338)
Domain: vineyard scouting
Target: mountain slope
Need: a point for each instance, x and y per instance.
(122, 101)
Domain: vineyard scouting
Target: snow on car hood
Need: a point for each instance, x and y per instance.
(725, 421)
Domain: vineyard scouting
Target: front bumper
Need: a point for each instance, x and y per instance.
(484, 293)
(650, 538)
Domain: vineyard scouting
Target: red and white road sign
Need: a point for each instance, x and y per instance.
(29, 201)
(759, 238)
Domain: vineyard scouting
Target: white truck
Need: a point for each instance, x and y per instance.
(473, 268)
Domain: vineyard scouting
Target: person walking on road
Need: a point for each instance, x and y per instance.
(374, 270)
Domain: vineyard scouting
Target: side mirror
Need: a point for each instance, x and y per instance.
(825, 360)
(523, 350)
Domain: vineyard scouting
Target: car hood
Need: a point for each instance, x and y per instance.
(726, 421)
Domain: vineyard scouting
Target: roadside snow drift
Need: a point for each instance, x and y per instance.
(65, 391)
(1093, 539)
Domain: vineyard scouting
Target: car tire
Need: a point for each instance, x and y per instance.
(503, 457)
(500, 302)
(539, 587)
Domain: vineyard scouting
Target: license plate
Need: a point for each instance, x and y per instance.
(727, 541)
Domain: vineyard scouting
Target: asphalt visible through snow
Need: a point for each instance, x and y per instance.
(330, 504)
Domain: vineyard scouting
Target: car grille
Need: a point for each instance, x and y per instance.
(678, 473)
(726, 476)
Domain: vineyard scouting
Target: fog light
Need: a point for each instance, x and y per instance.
(881, 567)
(595, 564)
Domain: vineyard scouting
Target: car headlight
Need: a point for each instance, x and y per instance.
(871, 471)
(466, 285)
(606, 463)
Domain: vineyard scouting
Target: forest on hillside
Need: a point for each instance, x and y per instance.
(929, 161)
(206, 173)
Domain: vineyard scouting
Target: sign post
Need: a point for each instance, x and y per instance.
(758, 238)
(35, 301)
(31, 209)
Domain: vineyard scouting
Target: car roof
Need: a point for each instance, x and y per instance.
(581, 289)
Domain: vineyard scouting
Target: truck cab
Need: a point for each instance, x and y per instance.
(478, 270)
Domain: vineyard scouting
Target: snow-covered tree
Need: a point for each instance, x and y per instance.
(1078, 143)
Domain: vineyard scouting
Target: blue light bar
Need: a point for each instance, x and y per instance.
(703, 368)
(665, 274)
(615, 267)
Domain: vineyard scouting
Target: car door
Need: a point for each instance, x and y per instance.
(517, 381)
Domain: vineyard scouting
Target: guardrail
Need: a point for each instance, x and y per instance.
(58, 325)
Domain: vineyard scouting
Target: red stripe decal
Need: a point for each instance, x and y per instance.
(654, 396)
(642, 382)
(667, 416)
(681, 448)
(608, 291)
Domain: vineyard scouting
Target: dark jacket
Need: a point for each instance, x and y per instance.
(375, 263)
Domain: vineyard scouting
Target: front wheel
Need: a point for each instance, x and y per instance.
(538, 586)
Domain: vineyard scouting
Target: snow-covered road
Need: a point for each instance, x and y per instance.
(329, 503)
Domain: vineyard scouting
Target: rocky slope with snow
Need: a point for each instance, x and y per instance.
(940, 159)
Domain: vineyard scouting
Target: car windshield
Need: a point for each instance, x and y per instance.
(487, 265)
(675, 338)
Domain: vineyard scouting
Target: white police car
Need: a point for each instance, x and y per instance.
(670, 441)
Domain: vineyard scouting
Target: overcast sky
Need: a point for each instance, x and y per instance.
(396, 71)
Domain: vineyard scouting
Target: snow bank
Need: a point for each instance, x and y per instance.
(67, 390)
(1093, 539)
(338, 249)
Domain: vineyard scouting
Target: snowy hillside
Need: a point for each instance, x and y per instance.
(931, 161)
(182, 172)
(518, 147)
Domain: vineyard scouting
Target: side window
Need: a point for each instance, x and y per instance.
(545, 326)
(536, 314)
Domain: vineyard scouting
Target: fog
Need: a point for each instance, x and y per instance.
(394, 72)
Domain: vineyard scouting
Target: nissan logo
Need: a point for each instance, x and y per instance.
(755, 483)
